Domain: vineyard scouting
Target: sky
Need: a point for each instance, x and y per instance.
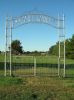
(36, 36)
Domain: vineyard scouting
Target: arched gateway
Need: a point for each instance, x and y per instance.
(34, 17)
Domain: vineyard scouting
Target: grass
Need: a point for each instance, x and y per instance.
(39, 71)
(40, 59)
(40, 87)
(10, 81)
(36, 88)
(24, 65)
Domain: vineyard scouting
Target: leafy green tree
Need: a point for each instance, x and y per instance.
(16, 47)
(54, 49)
(69, 48)
(0, 52)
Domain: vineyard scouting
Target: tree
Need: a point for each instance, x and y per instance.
(16, 47)
(69, 48)
(54, 49)
(0, 52)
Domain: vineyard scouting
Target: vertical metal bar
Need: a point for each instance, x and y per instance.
(64, 42)
(10, 47)
(5, 47)
(58, 67)
(59, 48)
(34, 66)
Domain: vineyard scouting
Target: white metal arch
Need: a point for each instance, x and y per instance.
(33, 17)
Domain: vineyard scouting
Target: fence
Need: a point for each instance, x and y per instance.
(36, 66)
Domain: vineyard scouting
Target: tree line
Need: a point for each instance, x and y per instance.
(17, 48)
(53, 50)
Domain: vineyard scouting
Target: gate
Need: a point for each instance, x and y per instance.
(23, 66)
(34, 17)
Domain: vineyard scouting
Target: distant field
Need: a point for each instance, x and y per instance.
(45, 65)
(40, 59)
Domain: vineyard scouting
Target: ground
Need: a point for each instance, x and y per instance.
(39, 87)
(36, 88)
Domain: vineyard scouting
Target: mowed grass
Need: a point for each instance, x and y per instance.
(39, 71)
(22, 59)
(40, 59)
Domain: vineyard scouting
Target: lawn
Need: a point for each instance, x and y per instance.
(40, 59)
(45, 65)
(36, 88)
(41, 86)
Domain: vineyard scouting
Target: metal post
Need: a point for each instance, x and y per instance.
(58, 67)
(10, 47)
(34, 66)
(59, 48)
(64, 43)
(5, 48)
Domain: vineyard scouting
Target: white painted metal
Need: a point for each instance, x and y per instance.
(33, 18)
(64, 43)
(34, 66)
(61, 33)
(59, 47)
(10, 47)
(5, 47)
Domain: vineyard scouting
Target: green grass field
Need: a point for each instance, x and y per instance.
(39, 87)
(24, 65)
(43, 59)
(36, 88)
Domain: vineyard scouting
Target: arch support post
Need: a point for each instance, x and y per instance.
(10, 47)
(59, 46)
(5, 64)
(8, 51)
(61, 43)
(64, 74)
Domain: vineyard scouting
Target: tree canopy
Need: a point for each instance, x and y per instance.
(16, 47)
(69, 48)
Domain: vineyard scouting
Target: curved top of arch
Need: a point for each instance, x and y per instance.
(36, 17)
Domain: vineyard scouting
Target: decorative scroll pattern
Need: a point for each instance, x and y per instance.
(36, 18)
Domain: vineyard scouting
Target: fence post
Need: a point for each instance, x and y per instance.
(58, 67)
(34, 66)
